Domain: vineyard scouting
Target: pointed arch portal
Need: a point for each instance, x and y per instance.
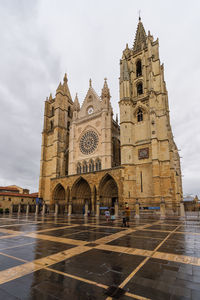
(81, 194)
(108, 191)
(59, 197)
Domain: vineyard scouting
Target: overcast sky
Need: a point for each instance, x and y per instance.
(41, 40)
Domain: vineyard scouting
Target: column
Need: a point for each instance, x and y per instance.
(43, 209)
(97, 206)
(116, 209)
(86, 209)
(137, 209)
(162, 209)
(182, 209)
(70, 208)
(19, 208)
(36, 209)
(92, 200)
(56, 209)
(27, 209)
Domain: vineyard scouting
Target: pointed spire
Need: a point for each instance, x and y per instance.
(65, 87)
(140, 37)
(65, 78)
(105, 90)
(90, 83)
(76, 103)
(50, 97)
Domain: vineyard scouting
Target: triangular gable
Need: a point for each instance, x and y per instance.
(91, 100)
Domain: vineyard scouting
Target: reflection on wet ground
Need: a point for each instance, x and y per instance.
(91, 259)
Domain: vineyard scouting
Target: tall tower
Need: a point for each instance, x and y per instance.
(149, 154)
(55, 138)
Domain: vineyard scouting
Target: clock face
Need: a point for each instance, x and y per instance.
(90, 110)
(88, 142)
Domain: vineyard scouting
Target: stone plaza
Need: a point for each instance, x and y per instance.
(62, 257)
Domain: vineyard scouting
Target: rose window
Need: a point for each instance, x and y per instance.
(88, 142)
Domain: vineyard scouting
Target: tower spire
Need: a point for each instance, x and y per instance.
(140, 37)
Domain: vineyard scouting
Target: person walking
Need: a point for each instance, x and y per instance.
(107, 214)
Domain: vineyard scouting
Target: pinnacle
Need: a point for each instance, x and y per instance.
(50, 97)
(60, 86)
(105, 91)
(65, 78)
(76, 103)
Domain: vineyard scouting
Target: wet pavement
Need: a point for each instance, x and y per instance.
(90, 259)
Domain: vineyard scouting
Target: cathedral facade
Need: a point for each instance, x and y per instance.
(90, 160)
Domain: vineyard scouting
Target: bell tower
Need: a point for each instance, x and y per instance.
(55, 138)
(149, 154)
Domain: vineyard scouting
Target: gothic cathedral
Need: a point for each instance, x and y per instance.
(88, 158)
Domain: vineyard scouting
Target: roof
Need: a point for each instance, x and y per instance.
(7, 188)
(33, 195)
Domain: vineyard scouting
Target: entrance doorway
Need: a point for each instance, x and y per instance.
(59, 198)
(108, 192)
(81, 194)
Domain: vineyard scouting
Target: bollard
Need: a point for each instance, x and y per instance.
(70, 209)
(97, 209)
(137, 210)
(36, 209)
(27, 209)
(86, 210)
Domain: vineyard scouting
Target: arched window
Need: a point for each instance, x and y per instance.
(139, 115)
(138, 68)
(85, 167)
(91, 166)
(51, 125)
(139, 89)
(52, 111)
(98, 165)
(68, 125)
(92, 163)
(69, 111)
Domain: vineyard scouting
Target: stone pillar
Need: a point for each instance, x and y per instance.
(27, 209)
(36, 209)
(70, 208)
(11, 209)
(162, 209)
(97, 207)
(116, 209)
(137, 209)
(92, 200)
(56, 209)
(43, 209)
(19, 208)
(86, 209)
(182, 209)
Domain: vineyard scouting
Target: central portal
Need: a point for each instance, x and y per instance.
(81, 194)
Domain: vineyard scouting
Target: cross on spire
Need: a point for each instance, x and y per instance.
(139, 11)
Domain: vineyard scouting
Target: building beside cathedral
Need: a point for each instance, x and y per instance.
(87, 158)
